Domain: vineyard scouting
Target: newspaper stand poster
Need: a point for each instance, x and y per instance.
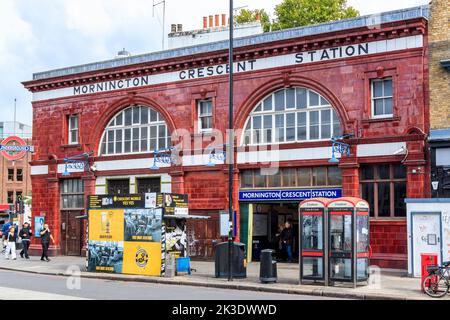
(124, 235)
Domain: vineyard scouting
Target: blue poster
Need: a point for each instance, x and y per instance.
(38, 226)
(289, 195)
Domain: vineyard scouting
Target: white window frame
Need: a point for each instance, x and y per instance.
(286, 111)
(76, 129)
(373, 98)
(114, 128)
(200, 116)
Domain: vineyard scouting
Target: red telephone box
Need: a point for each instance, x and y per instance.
(348, 233)
(313, 240)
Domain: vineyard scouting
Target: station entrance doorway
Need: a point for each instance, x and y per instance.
(266, 221)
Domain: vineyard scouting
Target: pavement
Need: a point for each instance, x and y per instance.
(388, 284)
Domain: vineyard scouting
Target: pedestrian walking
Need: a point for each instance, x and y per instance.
(287, 239)
(46, 236)
(11, 244)
(25, 234)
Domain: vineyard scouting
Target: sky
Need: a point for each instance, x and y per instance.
(41, 35)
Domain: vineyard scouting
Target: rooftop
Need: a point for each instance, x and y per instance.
(340, 25)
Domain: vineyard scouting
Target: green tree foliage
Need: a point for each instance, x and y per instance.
(246, 15)
(297, 13)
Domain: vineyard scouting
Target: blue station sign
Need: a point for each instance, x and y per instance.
(289, 194)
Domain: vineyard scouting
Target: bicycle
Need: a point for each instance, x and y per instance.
(437, 283)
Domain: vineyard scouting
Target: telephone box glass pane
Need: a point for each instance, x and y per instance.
(341, 233)
(341, 268)
(313, 267)
(362, 268)
(362, 226)
(312, 232)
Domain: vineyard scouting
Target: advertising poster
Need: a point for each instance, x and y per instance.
(143, 225)
(176, 237)
(38, 225)
(106, 225)
(105, 256)
(174, 204)
(143, 258)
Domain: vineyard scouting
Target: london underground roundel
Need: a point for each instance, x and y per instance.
(14, 148)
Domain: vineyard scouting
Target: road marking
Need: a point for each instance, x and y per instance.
(20, 294)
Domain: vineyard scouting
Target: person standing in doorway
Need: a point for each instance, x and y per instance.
(25, 234)
(287, 239)
(46, 236)
(11, 244)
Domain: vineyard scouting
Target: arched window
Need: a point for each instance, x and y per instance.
(136, 129)
(291, 115)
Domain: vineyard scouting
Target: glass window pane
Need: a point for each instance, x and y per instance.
(153, 115)
(301, 126)
(268, 122)
(324, 102)
(319, 176)
(384, 209)
(312, 232)
(144, 115)
(119, 119)
(304, 177)
(267, 103)
(367, 193)
(378, 107)
(279, 100)
(387, 87)
(399, 171)
(399, 199)
(136, 113)
(258, 108)
(290, 98)
(334, 176)
(377, 89)
(274, 180)
(325, 124)
(388, 106)
(313, 99)
(260, 180)
(336, 124)
(290, 119)
(128, 116)
(289, 177)
(247, 179)
(257, 122)
(301, 98)
(383, 171)
(367, 172)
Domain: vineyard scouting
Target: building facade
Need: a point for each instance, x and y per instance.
(15, 179)
(294, 90)
(439, 66)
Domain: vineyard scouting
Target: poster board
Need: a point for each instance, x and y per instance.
(124, 236)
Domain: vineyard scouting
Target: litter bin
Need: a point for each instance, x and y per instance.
(170, 266)
(427, 259)
(183, 266)
(237, 260)
(268, 266)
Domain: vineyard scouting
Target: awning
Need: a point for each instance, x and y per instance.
(4, 207)
(439, 135)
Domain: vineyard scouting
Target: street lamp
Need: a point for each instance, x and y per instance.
(230, 146)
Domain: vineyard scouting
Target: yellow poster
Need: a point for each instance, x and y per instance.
(106, 225)
(142, 258)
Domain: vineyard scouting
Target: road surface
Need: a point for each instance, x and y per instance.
(27, 286)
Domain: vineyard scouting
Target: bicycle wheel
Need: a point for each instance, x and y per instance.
(435, 286)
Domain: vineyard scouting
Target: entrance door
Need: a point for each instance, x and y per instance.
(145, 185)
(71, 233)
(426, 230)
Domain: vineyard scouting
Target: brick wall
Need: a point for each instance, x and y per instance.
(439, 49)
(388, 240)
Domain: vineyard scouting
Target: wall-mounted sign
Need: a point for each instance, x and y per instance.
(289, 195)
(299, 58)
(14, 148)
(174, 204)
(111, 201)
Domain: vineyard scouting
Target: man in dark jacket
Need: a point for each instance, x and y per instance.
(25, 234)
(287, 239)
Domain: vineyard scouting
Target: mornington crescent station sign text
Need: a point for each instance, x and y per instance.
(305, 57)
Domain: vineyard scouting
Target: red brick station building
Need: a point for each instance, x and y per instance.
(294, 90)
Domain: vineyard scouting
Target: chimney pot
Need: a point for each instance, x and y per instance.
(179, 27)
(224, 20)
(173, 28)
(205, 22)
(211, 21)
(216, 20)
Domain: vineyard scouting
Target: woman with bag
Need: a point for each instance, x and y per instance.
(11, 244)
